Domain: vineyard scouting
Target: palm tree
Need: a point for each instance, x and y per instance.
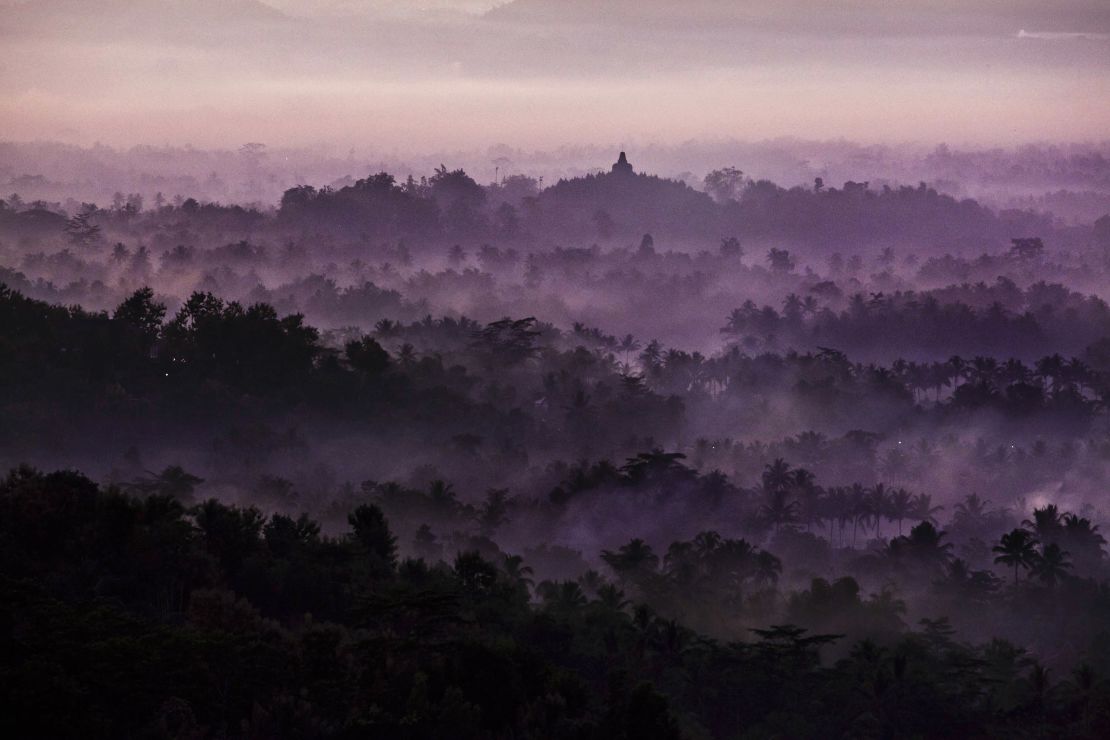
(518, 573)
(860, 507)
(767, 567)
(174, 481)
(808, 496)
(973, 508)
(1083, 540)
(1052, 565)
(922, 508)
(632, 560)
(923, 549)
(957, 368)
(779, 509)
(706, 543)
(568, 597)
(777, 475)
(612, 597)
(778, 482)
(899, 506)
(967, 585)
(591, 581)
(919, 379)
(1015, 371)
(652, 356)
(1018, 549)
(984, 369)
(939, 377)
(1050, 369)
(880, 506)
(1046, 522)
(1078, 372)
(386, 328)
(627, 346)
(792, 308)
(655, 464)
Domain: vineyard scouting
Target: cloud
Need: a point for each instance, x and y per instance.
(842, 17)
(644, 70)
(1063, 35)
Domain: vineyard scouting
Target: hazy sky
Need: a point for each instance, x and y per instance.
(415, 75)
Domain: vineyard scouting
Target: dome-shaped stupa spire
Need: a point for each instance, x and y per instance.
(622, 167)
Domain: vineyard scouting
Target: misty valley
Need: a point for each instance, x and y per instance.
(611, 456)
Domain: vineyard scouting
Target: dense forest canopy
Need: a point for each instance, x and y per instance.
(555, 369)
(609, 456)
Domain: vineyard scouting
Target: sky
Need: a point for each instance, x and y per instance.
(412, 75)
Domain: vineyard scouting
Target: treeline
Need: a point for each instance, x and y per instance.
(514, 383)
(220, 361)
(451, 203)
(1000, 320)
(141, 617)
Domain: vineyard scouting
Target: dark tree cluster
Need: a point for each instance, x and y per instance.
(141, 617)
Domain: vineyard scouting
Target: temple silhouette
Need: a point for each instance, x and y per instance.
(622, 167)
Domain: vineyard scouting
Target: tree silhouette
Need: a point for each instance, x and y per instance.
(1017, 549)
(922, 551)
(632, 562)
(371, 531)
(141, 311)
(1051, 565)
(900, 506)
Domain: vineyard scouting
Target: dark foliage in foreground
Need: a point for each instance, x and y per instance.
(128, 617)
